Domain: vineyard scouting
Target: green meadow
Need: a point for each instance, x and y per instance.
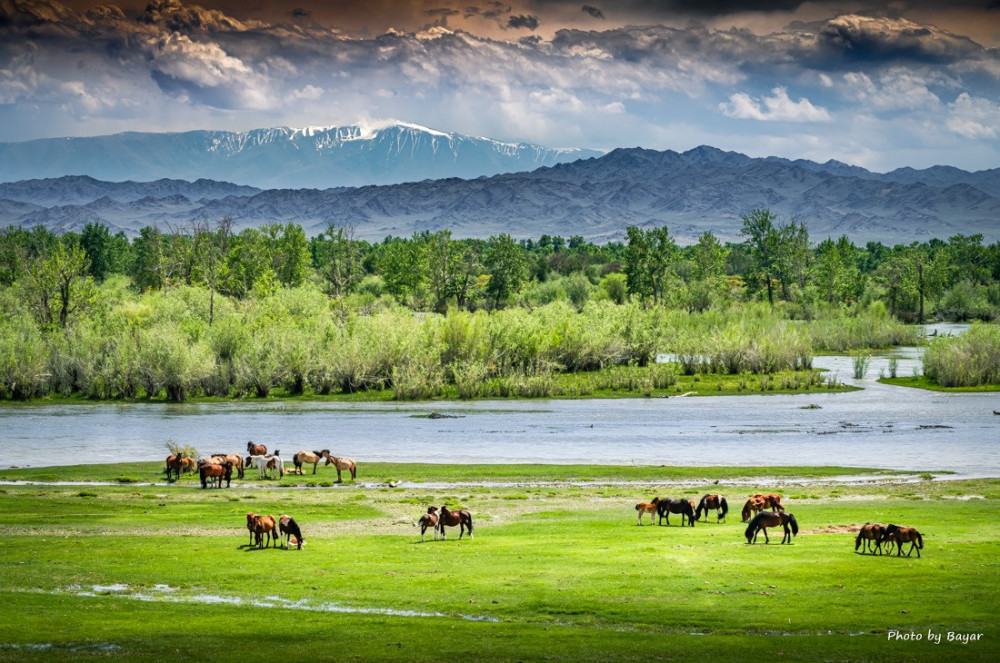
(133, 568)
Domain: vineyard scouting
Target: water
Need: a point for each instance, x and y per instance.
(881, 426)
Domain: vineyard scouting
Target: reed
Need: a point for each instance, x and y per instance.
(969, 360)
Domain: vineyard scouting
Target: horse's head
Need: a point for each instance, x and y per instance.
(432, 510)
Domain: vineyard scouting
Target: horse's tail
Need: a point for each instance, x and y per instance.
(724, 505)
(201, 475)
(794, 523)
(354, 472)
(297, 462)
(470, 527)
(920, 540)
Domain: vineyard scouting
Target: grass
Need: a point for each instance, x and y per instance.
(555, 572)
(924, 382)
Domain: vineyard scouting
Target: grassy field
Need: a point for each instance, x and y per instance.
(558, 570)
(924, 382)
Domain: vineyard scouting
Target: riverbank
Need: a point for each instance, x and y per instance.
(560, 572)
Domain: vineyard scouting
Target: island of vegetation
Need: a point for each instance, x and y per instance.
(205, 311)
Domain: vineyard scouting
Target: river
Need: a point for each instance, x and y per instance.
(882, 426)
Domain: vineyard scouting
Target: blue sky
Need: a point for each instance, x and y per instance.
(880, 85)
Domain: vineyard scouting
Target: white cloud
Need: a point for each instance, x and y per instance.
(309, 92)
(974, 118)
(896, 89)
(776, 108)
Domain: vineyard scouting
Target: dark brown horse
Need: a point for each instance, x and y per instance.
(900, 535)
(766, 519)
(288, 528)
(668, 506)
(215, 473)
(175, 465)
(717, 502)
(428, 521)
(647, 507)
(256, 449)
(309, 457)
(461, 519)
(869, 533)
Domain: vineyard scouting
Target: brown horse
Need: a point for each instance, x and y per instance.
(342, 463)
(668, 506)
(235, 459)
(215, 473)
(288, 528)
(900, 535)
(766, 519)
(717, 502)
(461, 519)
(771, 501)
(251, 520)
(428, 521)
(306, 457)
(175, 465)
(256, 449)
(868, 533)
(265, 525)
(647, 507)
(752, 506)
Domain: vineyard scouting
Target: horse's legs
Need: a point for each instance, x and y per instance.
(339, 480)
(314, 466)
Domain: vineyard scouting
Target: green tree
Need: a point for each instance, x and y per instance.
(649, 262)
(59, 286)
(338, 258)
(402, 268)
(506, 265)
(763, 243)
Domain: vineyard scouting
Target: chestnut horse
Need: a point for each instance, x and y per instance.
(668, 506)
(868, 533)
(265, 525)
(428, 521)
(342, 463)
(647, 507)
(313, 457)
(256, 449)
(288, 528)
(771, 501)
(251, 520)
(177, 464)
(766, 519)
(461, 519)
(901, 535)
(717, 502)
(215, 473)
(752, 506)
(235, 459)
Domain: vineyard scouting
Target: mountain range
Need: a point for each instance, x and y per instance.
(597, 197)
(313, 157)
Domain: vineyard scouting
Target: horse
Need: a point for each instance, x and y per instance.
(288, 528)
(647, 507)
(265, 463)
(771, 501)
(752, 506)
(215, 473)
(684, 507)
(342, 463)
(766, 519)
(265, 525)
(901, 535)
(276, 463)
(235, 459)
(251, 519)
(176, 465)
(309, 457)
(256, 449)
(259, 462)
(461, 518)
(429, 521)
(868, 533)
(717, 502)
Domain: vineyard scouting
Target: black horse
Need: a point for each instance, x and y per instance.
(766, 519)
(668, 506)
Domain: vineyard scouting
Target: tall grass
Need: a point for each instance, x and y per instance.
(969, 360)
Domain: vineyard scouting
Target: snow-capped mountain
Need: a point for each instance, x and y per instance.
(313, 157)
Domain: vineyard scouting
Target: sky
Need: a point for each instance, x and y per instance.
(876, 84)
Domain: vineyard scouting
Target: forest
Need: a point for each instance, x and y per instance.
(208, 311)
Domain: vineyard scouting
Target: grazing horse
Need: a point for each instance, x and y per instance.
(256, 449)
(766, 519)
(668, 506)
(265, 525)
(429, 521)
(901, 535)
(752, 506)
(342, 463)
(288, 528)
(717, 502)
(313, 457)
(461, 519)
(771, 501)
(215, 473)
(647, 507)
(868, 533)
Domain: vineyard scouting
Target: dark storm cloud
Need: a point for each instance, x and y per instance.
(300, 12)
(523, 21)
(595, 12)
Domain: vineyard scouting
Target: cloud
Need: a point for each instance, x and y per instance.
(881, 39)
(593, 11)
(523, 21)
(777, 107)
(895, 89)
(974, 118)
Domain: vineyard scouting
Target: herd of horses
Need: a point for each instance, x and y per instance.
(438, 519)
(261, 526)
(216, 468)
(872, 536)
